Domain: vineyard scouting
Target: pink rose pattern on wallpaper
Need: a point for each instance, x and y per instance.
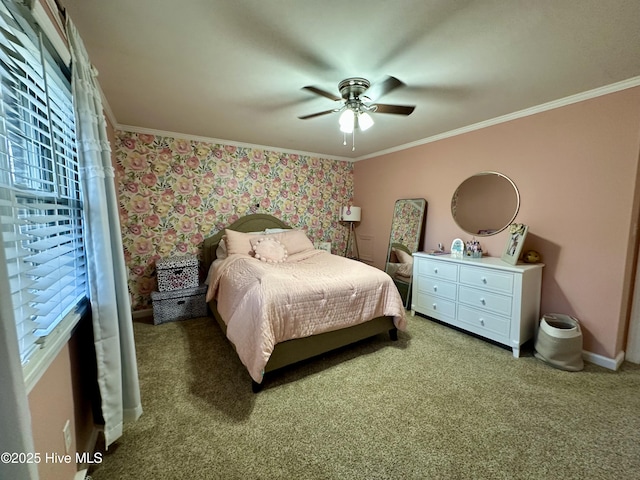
(173, 193)
(406, 225)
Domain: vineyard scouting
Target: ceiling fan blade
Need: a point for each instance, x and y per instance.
(306, 117)
(397, 109)
(322, 93)
(382, 88)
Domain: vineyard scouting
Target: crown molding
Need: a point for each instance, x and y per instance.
(580, 97)
(196, 138)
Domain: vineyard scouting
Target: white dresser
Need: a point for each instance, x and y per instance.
(485, 296)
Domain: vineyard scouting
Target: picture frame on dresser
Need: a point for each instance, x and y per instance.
(515, 242)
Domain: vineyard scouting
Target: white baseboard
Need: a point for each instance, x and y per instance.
(602, 361)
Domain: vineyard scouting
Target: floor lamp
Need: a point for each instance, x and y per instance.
(351, 215)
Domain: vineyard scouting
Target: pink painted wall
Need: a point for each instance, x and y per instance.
(576, 170)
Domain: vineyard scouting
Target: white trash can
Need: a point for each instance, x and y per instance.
(559, 342)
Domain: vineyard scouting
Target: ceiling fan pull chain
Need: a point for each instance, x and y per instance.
(353, 140)
(344, 142)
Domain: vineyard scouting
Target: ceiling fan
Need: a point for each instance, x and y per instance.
(358, 99)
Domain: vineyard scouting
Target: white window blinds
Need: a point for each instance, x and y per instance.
(40, 197)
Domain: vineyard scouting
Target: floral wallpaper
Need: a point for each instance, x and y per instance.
(173, 193)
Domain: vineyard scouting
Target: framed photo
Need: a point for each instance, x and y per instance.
(515, 242)
(457, 248)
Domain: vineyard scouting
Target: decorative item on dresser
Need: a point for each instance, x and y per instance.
(517, 234)
(484, 296)
(457, 248)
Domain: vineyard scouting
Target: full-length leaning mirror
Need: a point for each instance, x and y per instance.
(407, 233)
(485, 203)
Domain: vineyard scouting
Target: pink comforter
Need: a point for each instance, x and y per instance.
(313, 292)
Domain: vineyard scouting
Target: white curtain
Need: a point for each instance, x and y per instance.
(110, 301)
(15, 419)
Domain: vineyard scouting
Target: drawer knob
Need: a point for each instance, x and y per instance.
(435, 288)
(482, 322)
(435, 270)
(482, 301)
(484, 279)
(434, 306)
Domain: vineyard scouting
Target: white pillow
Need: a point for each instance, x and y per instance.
(221, 251)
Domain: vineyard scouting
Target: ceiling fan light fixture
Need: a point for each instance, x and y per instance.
(365, 121)
(358, 102)
(346, 121)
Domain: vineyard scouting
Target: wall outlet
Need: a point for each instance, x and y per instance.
(66, 432)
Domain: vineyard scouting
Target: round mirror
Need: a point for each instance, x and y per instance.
(485, 204)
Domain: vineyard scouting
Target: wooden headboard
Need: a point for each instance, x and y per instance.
(256, 222)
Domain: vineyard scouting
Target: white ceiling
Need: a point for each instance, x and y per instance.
(234, 69)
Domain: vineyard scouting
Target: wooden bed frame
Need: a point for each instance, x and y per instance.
(293, 351)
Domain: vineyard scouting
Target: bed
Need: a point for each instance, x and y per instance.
(258, 322)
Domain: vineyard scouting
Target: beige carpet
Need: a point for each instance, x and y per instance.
(436, 404)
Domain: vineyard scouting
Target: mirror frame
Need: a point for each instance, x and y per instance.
(455, 200)
(404, 287)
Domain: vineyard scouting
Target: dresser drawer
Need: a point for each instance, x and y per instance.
(436, 286)
(484, 321)
(499, 304)
(481, 277)
(435, 307)
(433, 268)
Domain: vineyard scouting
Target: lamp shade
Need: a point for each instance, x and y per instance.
(346, 121)
(365, 121)
(350, 214)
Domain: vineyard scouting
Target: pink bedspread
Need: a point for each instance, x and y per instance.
(313, 292)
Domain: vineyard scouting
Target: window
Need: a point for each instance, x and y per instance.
(41, 223)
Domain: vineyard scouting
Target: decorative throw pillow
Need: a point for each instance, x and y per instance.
(270, 250)
(295, 241)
